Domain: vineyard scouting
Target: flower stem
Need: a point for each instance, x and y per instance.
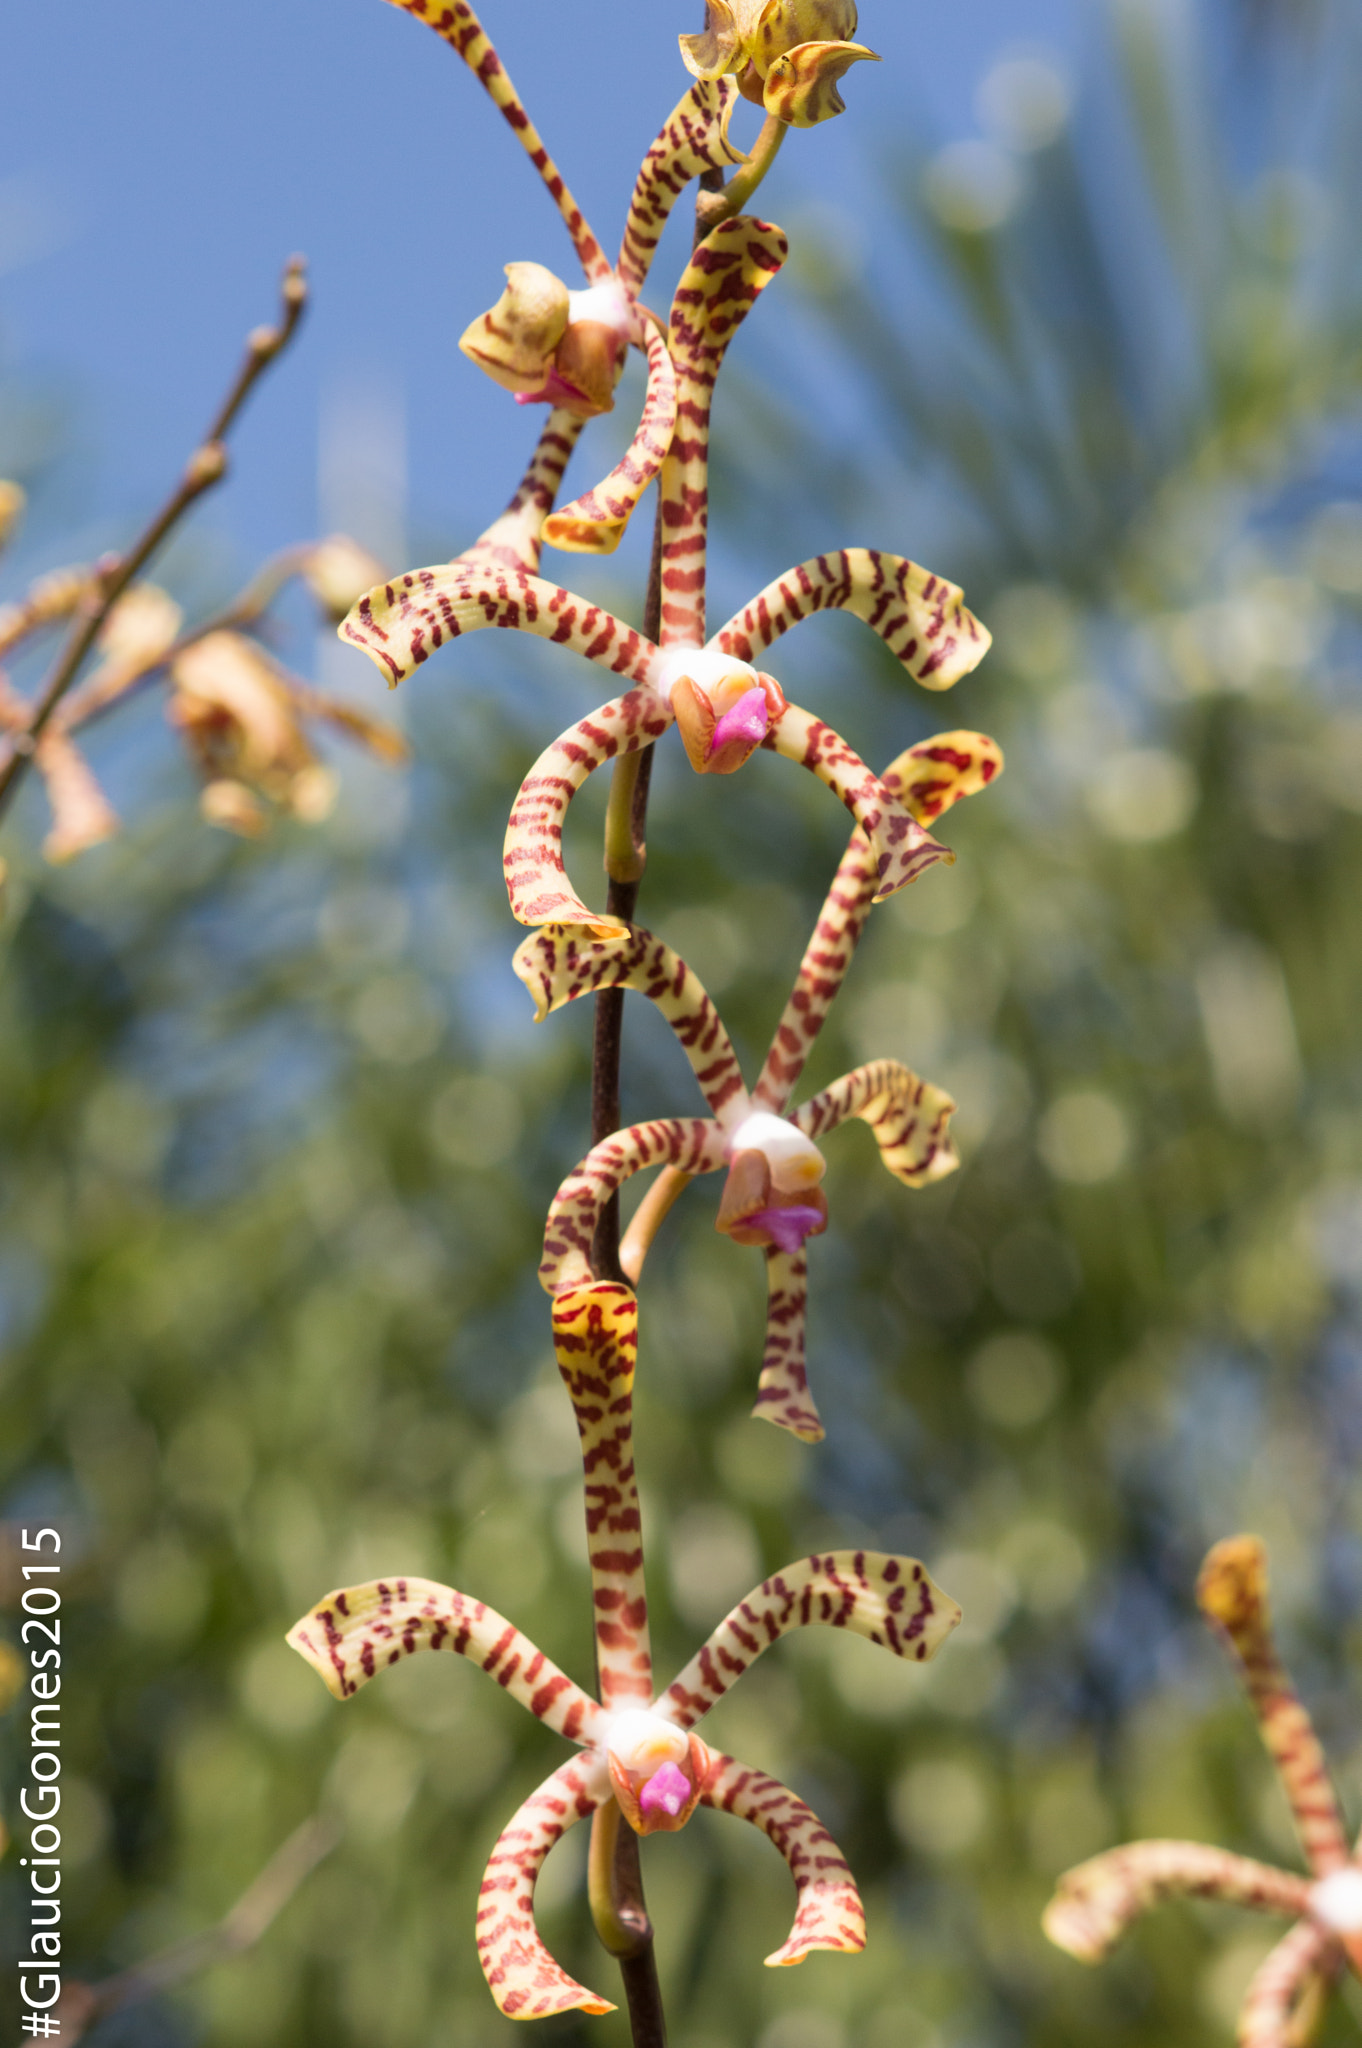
(722, 203)
(628, 805)
(615, 1891)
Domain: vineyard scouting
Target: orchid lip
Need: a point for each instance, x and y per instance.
(668, 1790)
(789, 1227)
(748, 720)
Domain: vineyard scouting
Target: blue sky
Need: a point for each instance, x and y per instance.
(166, 158)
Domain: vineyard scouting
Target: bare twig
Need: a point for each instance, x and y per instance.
(111, 576)
(254, 1912)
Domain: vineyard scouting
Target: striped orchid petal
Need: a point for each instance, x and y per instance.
(901, 850)
(595, 523)
(1097, 1902)
(595, 1340)
(829, 1913)
(694, 139)
(719, 287)
(783, 1395)
(455, 21)
(400, 624)
(514, 540)
(694, 1144)
(890, 1600)
(532, 855)
(928, 778)
(559, 965)
(360, 1630)
(908, 1117)
(1232, 1594)
(1286, 1989)
(920, 617)
(522, 1976)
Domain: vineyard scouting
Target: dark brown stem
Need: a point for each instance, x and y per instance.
(630, 1936)
(206, 467)
(621, 901)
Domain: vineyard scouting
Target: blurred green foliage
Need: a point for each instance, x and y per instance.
(279, 1138)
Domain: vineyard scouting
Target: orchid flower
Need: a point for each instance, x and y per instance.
(771, 1196)
(724, 706)
(544, 342)
(788, 54)
(636, 1748)
(1097, 1902)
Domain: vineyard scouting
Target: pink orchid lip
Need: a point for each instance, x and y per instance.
(668, 1788)
(789, 1227)
(555, 390)
(747, 720)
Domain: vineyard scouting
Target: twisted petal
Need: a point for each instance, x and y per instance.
(514, 540)
(359, 1630)
(1282, 1984)
(456, 22)
(720, 45)
(532, 855)
(908, 1116)
(921, 618)
(933, 776)
(718, 288)
(559, 965)
(801, 86)
(928, 779)
(400, 624)
(1232, 1594)
(694, 1144)
(783, 1395)
(521, 1975)
(595, 1340)
(889, 1600)
(828, 1913)
(595, 523)
(1097, 1902)
(694, 139)
(899, 847)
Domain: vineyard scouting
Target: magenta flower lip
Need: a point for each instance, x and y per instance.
(748, 721)
(788, 1226)
(667, 1790)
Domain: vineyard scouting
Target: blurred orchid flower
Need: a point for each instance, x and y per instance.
(771, 1197)
(1097, 1902)
(788, 54)
(637, 1748)
(241, 717)
(82, 815)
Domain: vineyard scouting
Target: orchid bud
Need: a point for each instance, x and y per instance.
(338, 571)
(141, 627)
